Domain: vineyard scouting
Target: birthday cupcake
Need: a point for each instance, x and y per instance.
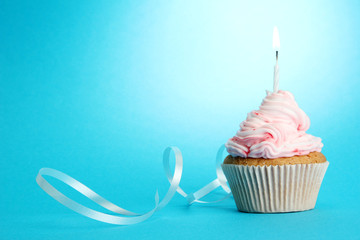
(273, 164)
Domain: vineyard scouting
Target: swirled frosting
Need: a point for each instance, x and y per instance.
(277, 129)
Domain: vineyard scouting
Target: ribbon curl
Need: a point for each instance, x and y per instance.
(129, 217)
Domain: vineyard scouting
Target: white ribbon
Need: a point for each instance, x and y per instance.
(128, 217)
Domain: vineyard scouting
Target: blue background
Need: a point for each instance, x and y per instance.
(99, 89)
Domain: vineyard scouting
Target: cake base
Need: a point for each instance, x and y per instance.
(275, 188)
(313, 157)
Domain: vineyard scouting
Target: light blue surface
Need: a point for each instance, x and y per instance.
(99, 89)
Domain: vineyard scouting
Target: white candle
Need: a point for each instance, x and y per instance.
(276, 47)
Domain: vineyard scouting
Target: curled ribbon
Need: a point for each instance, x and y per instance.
(129, 217)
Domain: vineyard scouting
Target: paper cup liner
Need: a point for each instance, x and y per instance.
(272, 189)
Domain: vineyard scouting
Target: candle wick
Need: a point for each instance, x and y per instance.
(277, 55)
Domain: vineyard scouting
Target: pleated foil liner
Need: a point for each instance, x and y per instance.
(272, 189)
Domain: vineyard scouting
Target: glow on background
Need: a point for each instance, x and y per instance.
(99, 89)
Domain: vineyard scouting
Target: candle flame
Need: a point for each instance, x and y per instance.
(276, 39)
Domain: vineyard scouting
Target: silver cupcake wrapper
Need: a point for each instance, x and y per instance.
(272, 189)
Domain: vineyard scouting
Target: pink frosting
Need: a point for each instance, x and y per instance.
(277, 129)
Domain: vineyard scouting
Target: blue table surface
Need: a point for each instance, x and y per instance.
(329, 220)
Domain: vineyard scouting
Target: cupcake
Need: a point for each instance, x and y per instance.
(273, 164)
